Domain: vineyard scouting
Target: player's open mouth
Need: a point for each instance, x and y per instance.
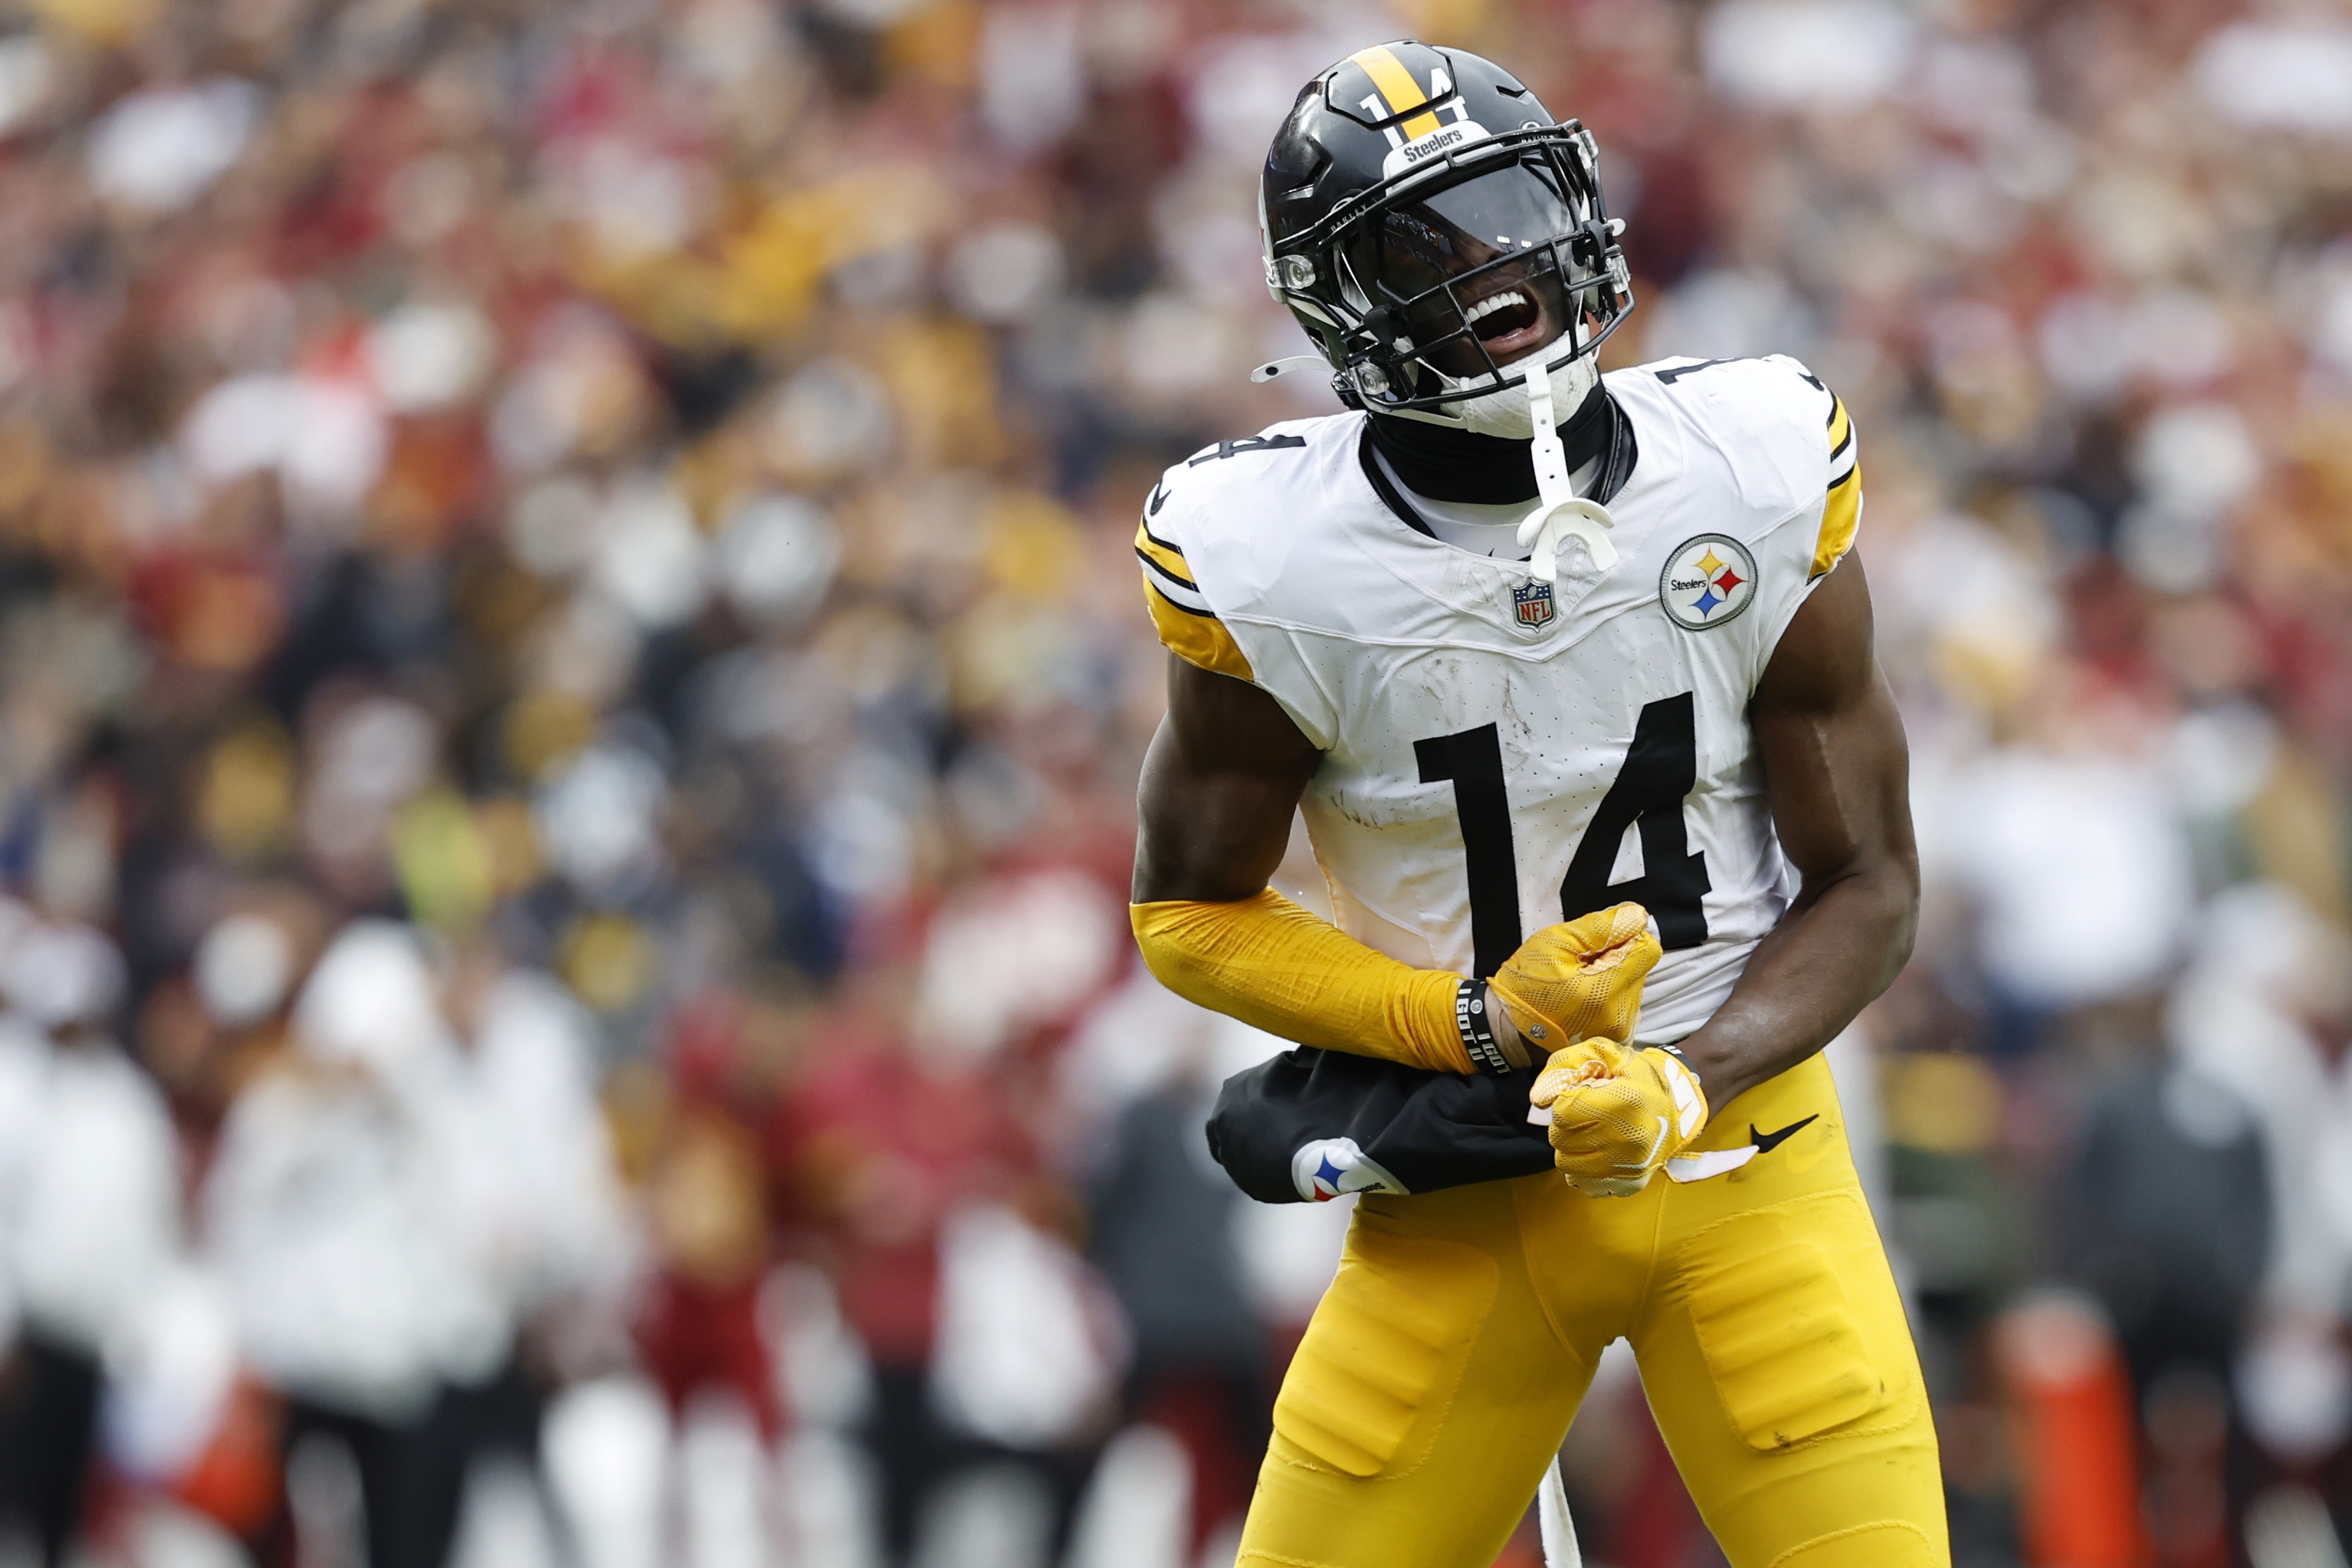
(1508, 322)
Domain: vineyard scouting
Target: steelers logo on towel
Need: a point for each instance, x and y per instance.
(1708, 581)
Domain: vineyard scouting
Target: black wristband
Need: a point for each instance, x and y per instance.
(1477, 1038)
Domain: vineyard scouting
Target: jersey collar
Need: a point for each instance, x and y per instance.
(1618, 457)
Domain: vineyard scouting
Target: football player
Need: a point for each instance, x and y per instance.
(1572, 678)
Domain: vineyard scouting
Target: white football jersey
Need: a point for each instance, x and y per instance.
(1501, 754)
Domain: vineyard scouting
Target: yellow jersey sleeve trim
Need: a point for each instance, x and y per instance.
(1841, 516)
(1195, 636)
(1840, 427)
(1160, 555)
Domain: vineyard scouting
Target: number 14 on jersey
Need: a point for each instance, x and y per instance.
(1661, 767)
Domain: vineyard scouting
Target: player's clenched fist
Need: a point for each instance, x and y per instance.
(1618, 1113)
(1578, 979)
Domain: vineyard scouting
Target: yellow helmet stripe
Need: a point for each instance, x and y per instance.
(1396, 87)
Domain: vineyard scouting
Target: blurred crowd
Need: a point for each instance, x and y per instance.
(571, 679)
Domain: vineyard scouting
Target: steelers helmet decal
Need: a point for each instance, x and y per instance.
(1707, 582)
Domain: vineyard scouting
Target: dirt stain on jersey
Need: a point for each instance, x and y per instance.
(1440, 675)
(1356, 811)
(1516, 731)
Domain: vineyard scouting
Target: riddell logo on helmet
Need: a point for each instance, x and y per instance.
(1419, 151)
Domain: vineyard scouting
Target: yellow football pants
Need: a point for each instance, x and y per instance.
(1443, 1368)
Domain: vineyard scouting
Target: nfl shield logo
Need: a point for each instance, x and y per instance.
(1532, 599)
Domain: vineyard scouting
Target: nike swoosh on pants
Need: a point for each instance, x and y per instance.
(1766, 1142)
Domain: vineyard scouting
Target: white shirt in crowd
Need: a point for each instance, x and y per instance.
(387, 1212)
(90, 1188)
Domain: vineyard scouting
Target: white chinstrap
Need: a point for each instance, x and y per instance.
(1561, 513)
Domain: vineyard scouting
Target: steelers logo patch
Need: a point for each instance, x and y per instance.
(1708, 581)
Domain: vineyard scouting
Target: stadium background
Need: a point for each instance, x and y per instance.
(571, 684)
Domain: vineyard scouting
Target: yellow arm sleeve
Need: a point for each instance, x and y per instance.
(1269, 963)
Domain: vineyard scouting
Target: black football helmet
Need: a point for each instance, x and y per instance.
(1430, 224)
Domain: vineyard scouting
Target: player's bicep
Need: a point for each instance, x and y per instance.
(1826, 727)
(1220, 782)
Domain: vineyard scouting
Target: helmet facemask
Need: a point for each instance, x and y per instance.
(1445, 281)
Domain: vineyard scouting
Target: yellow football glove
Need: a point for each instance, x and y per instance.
(1582, 977)
(1618, 1114)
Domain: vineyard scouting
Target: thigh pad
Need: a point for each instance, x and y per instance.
(1385, 1352)
(1792, 1351)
